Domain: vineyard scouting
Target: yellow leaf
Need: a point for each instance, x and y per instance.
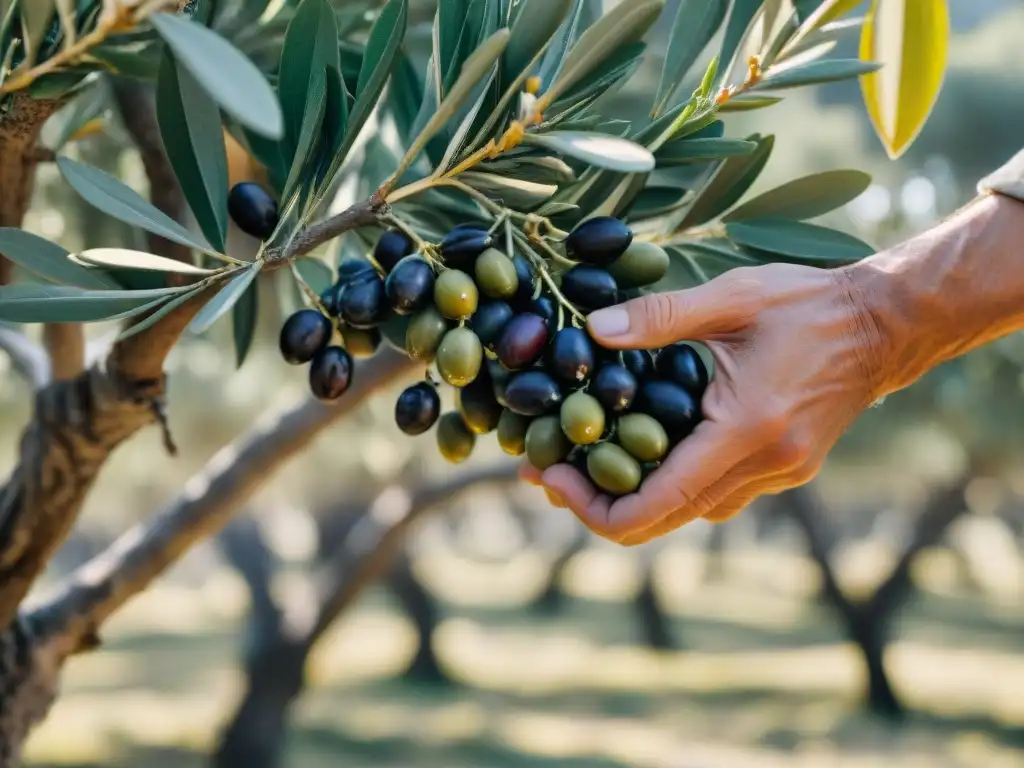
(911, 39)
(828, 11)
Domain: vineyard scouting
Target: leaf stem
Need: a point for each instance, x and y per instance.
(541, 268)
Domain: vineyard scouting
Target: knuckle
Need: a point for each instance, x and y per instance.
(772, 425)
(793, 450)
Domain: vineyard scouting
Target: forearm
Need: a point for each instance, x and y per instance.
(947, 291)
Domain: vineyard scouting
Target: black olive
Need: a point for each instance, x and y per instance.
(253, 210)
(599, 241)
(393, 246)
(546, 307)
(522, 341)
(682, 364)
(571, 356)
(410, 285)
(639, 362)
(350, 269)
(329, 298)
(362, 303)
(417, 408)
(524, 294)
(303, 334)
(330, 373)
(460, 247)
(590, 288)
(499, 380)
(671, 405)
(615, 387)
(532, 393)
(489, 321)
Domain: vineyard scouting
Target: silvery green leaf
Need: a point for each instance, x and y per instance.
(225, 299)
(798, 241)
(599, 150)
(48, 260)
(46, 303)
(513, 193)
(695, 24)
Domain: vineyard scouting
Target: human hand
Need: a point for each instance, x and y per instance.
(797, 358)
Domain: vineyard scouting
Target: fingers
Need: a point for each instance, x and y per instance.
(696, 477)
(718, 307)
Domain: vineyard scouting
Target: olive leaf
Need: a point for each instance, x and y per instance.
(190, 127)
(36, 16)
(729, 183)
(815, 72)
(611, 152)
(86, 107)
(244, 315)
(535, 26)
(736, 30)
(122, 258)
(804, 198)
(315, 273)
(746, 103)
(513, 193)
(701, 150)
(695, 24)
(162, 310)
(310, 46)
(107, 194)
(225, 299)
(798, 241)
(46, 303)
(48, 260)
(224, 72)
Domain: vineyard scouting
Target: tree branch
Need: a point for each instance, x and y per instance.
(361, 214)
(27, 358)
(100, 587)
(347, 579)
(245, 548)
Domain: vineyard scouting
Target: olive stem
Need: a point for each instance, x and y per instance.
(310, 293)
(545, 275)
(427, 249)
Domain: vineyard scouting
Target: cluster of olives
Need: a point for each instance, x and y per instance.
(479, 312)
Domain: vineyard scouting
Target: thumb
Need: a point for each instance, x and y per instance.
(660, 319)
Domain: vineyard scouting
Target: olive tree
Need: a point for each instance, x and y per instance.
(502, 126)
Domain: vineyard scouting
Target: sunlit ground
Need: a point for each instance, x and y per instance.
(766, 679)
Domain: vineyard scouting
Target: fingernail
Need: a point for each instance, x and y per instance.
(609, 322)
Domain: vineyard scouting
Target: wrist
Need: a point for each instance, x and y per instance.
(944, 292)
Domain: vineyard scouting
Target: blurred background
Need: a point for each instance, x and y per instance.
(871, 619)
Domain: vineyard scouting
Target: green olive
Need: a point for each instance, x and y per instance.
(642, 436)
(455, 294)
(424, 334)
(641, 264)
(613, 470)
(582, 417)
(361, 343)
(512, 432)
(459, 357)
(546, 444)
(454, 440)
(496, 274)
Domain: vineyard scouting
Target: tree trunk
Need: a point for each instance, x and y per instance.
(869, 630)
(255, 736)
(655, 626)
(421, 607)
(553, 598)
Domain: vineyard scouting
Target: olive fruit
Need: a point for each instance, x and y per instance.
(455, 294)
(546, 307)
(642, 436)
(639, 362)
(253, 210)
(598, 241)
(499, 380)
(329, 298)
(417, 408)
(642, 264)
(424, 334)
(454, 440)
(410, 285)
(350, 269)
(330, 373)
(362, 303)
(489, 321)
(532, 393)
(682, 364)
(571, 356)
(522, 341)
(461, 246)
(496, 274)
(613, 470)
(393, 246)
(589, 287)
(361, 343)
(614, 387)
(582, 418)
(459, 357)
(512, 432)
(524, 275)
(546, 444)
(675, 408)
(476, 402)
(303, 334)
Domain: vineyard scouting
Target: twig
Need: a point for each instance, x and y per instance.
(27, 358)
(130, 565)
(361, 214)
